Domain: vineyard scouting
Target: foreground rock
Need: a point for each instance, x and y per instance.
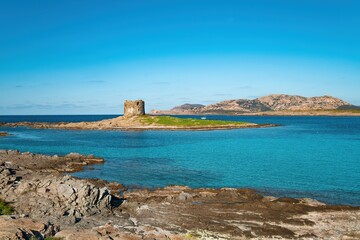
(24, 228)
(44, 163)
(237, 213)
(50, 203)
(45, 193)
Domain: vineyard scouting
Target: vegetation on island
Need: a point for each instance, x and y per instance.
(186, 122)
(5, 209)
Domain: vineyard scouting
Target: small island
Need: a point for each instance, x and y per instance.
(135, 119)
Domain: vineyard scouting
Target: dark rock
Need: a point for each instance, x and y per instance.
(25, 228)
(3, 134)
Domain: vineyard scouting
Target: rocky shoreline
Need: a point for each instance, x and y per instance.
(48, 202)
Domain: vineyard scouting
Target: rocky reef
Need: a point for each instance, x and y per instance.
(48, 202)
(72, 162)
(3, 134)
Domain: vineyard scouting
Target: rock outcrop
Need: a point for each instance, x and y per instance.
(25, 228)
(3, 134)
(230, 213)
(63, 198)
(72, 162)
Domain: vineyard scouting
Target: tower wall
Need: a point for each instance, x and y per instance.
(134, 108)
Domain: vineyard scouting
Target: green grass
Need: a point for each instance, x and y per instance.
(186, 122)
(5, 209)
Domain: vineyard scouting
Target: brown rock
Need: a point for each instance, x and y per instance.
(24, 228)
(3, 134)
(78, 234)
(69, 163)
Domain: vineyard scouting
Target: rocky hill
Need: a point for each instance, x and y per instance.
(270, 103)
(281, 102)
(187, 107)
(233, 106)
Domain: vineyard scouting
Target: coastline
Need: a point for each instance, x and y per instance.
(136, 124)
(43, 194)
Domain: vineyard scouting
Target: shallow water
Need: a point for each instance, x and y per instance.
(317, 157)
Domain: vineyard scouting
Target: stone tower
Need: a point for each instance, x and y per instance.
(134, 108)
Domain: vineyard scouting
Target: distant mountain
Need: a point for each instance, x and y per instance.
(233, 106)
(271, 103)
(283, 102)
(188, 106)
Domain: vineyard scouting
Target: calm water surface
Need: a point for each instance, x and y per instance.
(317, 157)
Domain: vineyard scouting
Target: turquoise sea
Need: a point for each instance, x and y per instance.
(316, 157)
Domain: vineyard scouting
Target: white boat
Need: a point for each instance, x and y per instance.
(203, 118)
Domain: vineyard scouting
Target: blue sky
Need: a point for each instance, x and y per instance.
(78, 57)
